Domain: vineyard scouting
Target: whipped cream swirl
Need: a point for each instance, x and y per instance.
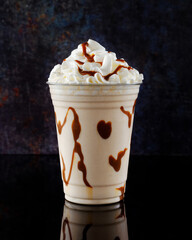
(90, 63)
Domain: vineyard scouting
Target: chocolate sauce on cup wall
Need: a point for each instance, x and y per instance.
(133, 109)
(122, 190)
(104, 129)
(116, 163)
(76, 129)
(129, 115)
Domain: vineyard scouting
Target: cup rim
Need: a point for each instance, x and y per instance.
(93, 84)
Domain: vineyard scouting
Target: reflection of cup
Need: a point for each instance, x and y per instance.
(94, 222)
(94, 126)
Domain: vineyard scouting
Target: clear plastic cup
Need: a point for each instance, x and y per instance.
(94, 127)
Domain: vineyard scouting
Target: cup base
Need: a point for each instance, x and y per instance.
(97, 195)
(93, 201)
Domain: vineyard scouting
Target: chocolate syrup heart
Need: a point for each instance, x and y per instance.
(104, 129)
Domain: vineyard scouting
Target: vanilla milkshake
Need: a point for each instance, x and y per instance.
(94, 96)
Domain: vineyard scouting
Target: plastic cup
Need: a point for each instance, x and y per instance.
(94, 127)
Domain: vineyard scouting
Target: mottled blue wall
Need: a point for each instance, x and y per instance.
(153, 36)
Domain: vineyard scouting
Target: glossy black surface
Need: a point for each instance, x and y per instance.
(157, 198)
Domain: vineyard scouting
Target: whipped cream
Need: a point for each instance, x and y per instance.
(90, 63)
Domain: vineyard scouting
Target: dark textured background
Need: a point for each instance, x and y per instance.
(153, 36)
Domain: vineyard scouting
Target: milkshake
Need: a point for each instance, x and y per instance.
(94, 96)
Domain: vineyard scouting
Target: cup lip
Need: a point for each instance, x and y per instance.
(93, 84)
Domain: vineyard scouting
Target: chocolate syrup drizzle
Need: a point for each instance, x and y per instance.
(133, 109)
(116, 163)
(104, 129)
(122, 190)
(115, 72)
(76, 129)
(120, 60)
(90, 58)
(129, 115)
(90, 73)
(79, 62)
